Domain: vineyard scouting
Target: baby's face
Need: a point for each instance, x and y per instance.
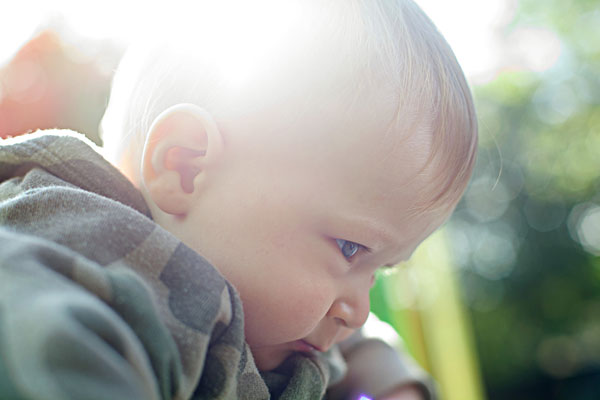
(300, 227)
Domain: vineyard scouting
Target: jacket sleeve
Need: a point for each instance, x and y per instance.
(376, 368)
(68, 329)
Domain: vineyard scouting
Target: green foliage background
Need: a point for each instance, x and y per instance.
(526, 237)
(525, 240)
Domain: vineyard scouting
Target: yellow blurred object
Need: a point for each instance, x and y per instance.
(436, 326)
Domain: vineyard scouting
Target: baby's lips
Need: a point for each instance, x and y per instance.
(307, 347)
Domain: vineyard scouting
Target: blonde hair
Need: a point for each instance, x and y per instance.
(346, 46)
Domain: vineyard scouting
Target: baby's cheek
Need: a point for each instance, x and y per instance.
(305, 309)
(280, 320)
(287, 306)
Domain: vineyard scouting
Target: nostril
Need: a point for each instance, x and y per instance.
(341, 322)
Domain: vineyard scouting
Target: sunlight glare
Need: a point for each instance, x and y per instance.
(470, 26)
(242, 37)
(536, 49)
(14, 31)
(471, 29)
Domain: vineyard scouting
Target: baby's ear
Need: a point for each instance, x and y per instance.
(183, 143)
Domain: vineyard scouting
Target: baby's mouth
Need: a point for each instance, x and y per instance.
(305, 347)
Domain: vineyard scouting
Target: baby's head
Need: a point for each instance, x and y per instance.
(299, 154)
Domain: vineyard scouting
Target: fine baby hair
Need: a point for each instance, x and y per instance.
(246, 60)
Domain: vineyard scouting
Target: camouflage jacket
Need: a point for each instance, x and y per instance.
(99, 302)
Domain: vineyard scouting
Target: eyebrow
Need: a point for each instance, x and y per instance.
(380, 236)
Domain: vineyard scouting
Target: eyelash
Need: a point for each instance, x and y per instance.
(353, 248)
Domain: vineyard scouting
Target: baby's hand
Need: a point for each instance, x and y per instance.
(409, 392)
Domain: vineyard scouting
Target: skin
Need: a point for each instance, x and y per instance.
(267, 213)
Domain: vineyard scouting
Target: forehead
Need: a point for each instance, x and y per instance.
(380, 190)
(363, 140)
(373, 142)
(363, 167)
(380, 161)
(365, 123)
(372, 151)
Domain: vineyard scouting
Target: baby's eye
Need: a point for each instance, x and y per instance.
(347, 247)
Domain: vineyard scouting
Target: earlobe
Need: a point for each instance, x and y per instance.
(181, 147)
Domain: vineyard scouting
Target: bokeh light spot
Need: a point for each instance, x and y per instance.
(536, 49)
(584, 226)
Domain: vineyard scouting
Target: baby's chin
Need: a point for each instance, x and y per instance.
(269, 358)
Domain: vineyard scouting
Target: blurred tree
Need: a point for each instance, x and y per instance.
(526, 237)
(525, 240)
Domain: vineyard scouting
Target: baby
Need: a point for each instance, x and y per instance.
(297, 150)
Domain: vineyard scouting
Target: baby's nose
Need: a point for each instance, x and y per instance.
(351, 313)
